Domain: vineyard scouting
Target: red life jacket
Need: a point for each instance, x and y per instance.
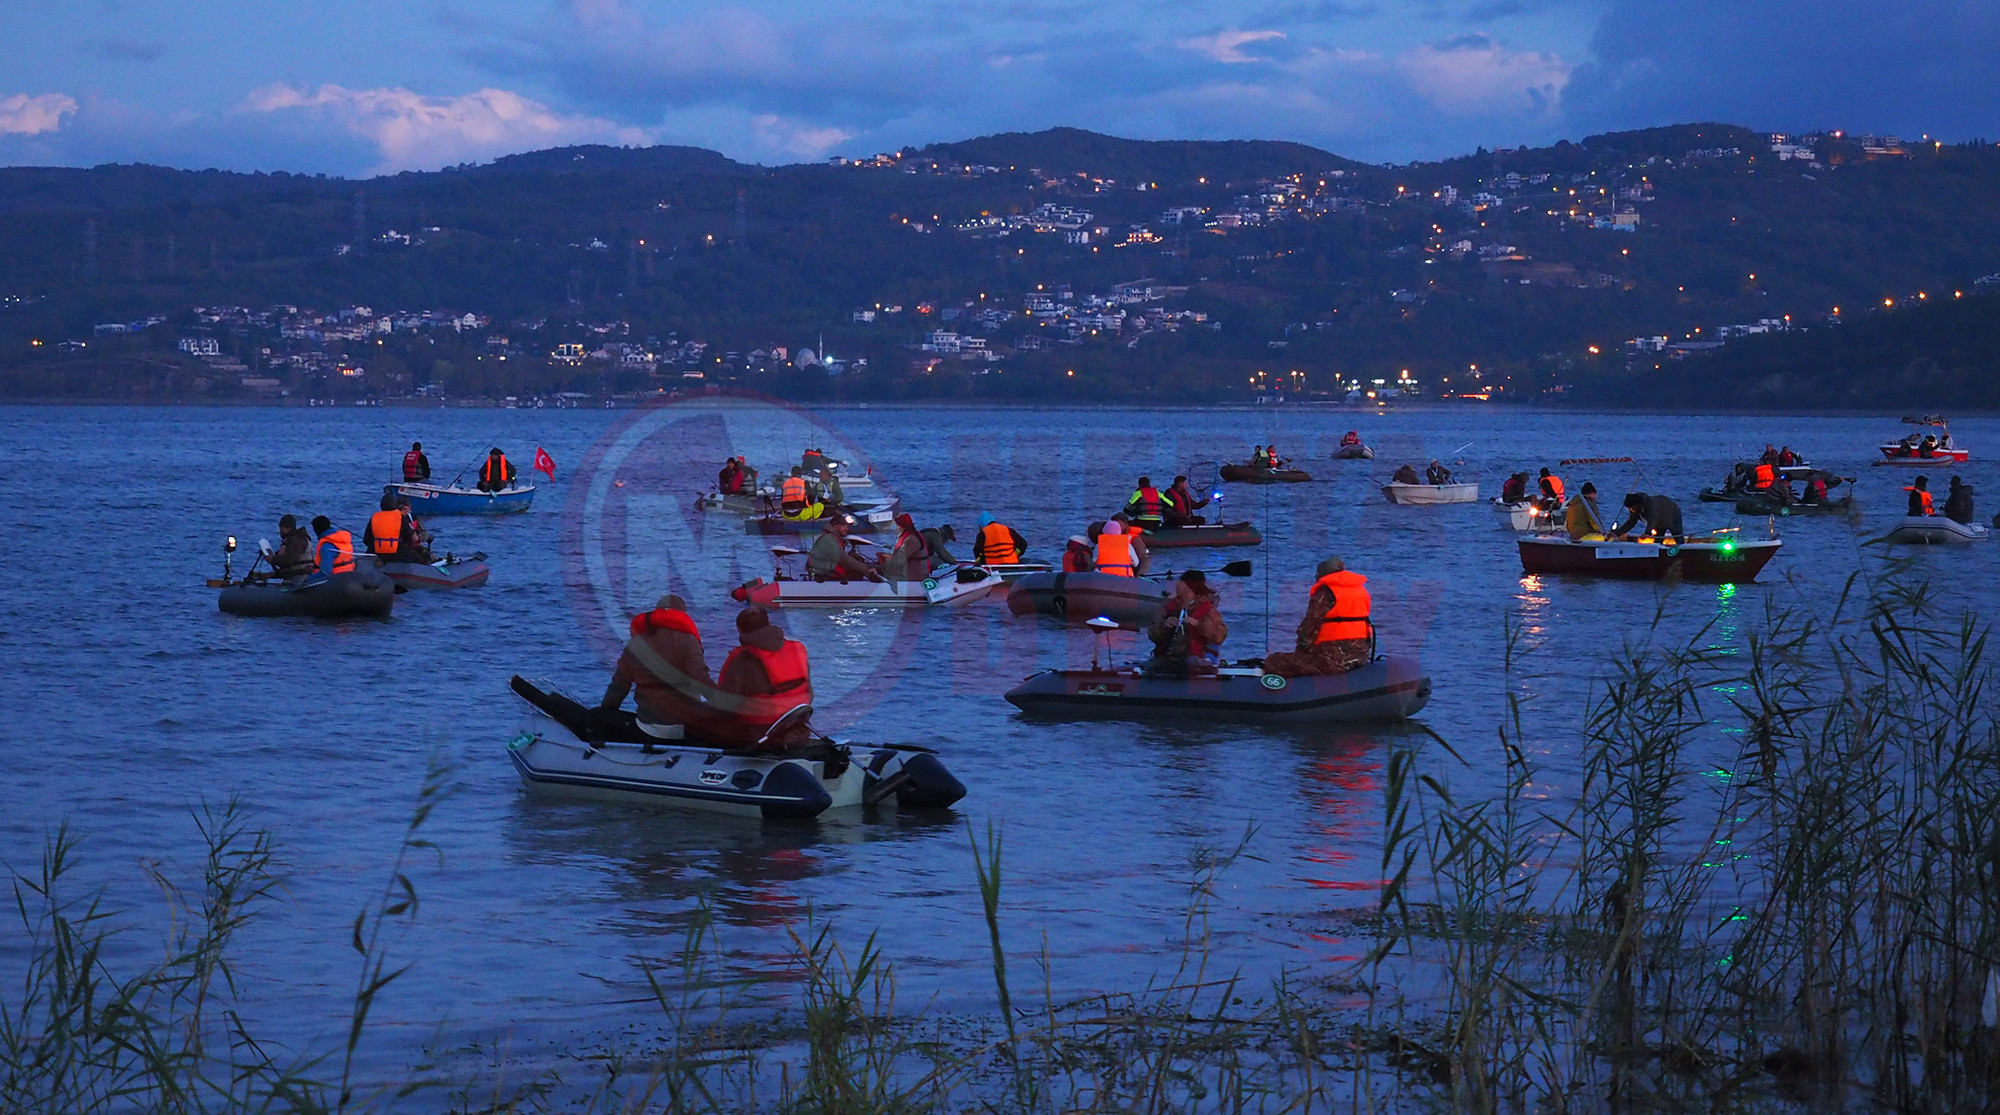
(1076, 559)
(1348, 618)
(1148, 500)
(790, 673)
(664, 619)
(1197, 645)
(413, 465)
(1766, 476)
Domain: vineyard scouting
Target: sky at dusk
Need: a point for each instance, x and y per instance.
(376, 86)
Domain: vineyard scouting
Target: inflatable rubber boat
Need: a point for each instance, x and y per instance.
(363, 593)
(739, 503)
(1764, 503)
(960, 585)
(1014, 571)
(1354, 453)
(566, 749)
(1426, 494)
(1208, 534)
(1252, 474)
(427, 499)
(1935, 530)
(451, 571)
(1390, 688)
(866, 520)
(1131, 602)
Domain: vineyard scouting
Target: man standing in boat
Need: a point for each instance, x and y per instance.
(497, 474)
(416, 466)
(662, 667)
(1336, 634)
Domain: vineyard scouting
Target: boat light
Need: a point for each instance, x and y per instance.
(229, 544)
(1728, 547)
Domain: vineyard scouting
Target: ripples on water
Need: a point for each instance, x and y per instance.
(129, 696)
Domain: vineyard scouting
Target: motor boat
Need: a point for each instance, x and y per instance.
(1205, 534)
(1523, 515)
(1423, 495)
(867, 520)
(1910, 449)
(1709, 559)
(958, 584)
(364, 593)
(427, 499)
(1354, 453)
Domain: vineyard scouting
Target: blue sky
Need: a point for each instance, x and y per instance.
(377, 86)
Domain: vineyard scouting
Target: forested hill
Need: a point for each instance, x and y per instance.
(1056, 260)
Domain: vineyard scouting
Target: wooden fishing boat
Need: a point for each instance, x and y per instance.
(1711, 559)
(427, 499)
(1422, 495)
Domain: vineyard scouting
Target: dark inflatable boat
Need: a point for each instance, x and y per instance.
(1253, 474)
(363, 593)
(1208, 534)
(1387, 689)
(1132, 602)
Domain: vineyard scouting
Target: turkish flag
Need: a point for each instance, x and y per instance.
(544, 462)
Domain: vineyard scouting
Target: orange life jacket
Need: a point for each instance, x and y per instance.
(664, 619)
(794, 491)
(1766, 476)
(386, 528)
(1114, 554)
(1348, 618)
(1925, 501)
(998, 541)
(343, 550)
(1554, 484)
(791, 681)
(413, 465)
(493, 473)
(1075, 559)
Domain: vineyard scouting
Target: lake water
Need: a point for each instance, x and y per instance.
(130, 698)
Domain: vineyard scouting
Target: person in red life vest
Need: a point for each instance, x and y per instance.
(1552, 490)
(663, 668)
(1121, 551)
(335, 552)
(1920, 496)
(1189, 628)
(1181, 505)
(1787, 458)
(1351, 437)
(729, 481)
(1076, 555)
(998, 544)
(1271, 454)
(764, 678)
(1337, 633)
(387, 535)
(1815, 490)
(416, 539)
(1146, 507)
(497, 474)
(416, 466)
(910, 559)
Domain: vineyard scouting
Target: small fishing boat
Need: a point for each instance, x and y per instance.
(867, 520)
(1910, 449)
(739, 503)
(1721, 495)
(364, 593)
(1207, 534)
(427, 499)
(1424, 495)
(1353, 453)
(1521, 515)
(569, 750)
(1387, 689)
(1130, 602)
(1711, 559)
(451, 571)
(1765, 503)
(1935, 530)
(1252, 474)
(960, 585)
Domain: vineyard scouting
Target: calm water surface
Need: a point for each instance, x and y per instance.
(129, 697)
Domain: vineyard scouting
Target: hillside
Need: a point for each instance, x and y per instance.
(1497, 269)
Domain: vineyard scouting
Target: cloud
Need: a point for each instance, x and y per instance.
(798, 140)
(1227, 46)
(411, 131)
(1472, 75)
(22, 115)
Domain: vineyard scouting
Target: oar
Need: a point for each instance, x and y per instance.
(1233, 569)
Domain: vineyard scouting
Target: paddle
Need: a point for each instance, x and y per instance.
(1233, 569)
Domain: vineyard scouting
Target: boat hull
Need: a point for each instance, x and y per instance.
(1354, 453)
(1212, 534)
(1768, 505)
(867, 520)
(1017, 570)
(1935, 530)
(1247, 474)
(364, 594)
(736, 503)
(1521, 516)
(450, 573)
(1424, 495)
(961, 586)
(427, 500)
(1719, 563)
(1387, 689)
(1897, 455)
(1132, 602)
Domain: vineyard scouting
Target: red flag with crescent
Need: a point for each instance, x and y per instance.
(544, 462)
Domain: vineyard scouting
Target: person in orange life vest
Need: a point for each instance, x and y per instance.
(998, 544)
(910, 560)
(1146, 507)
(663, 668)
(1181, 505)
(1767, 475)
(335, 552)
(387, 534)
(794, 501)
(416, 466)
(1120, 548)
(1337, 633)
(497, 474)
(1271, 454)
(1189, 628)
(1076, 555)
(1920, 496)
(764, 678)
(1552, 490)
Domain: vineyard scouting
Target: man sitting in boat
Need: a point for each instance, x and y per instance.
(294, 555)
(1661, 515)
(1336, 634)
(1815, 490)
(795, 502)
(416, 466)
(1076, 555)
(1928, 447)
(1958, 502)
(1120, 548)
(1437, 474)
(1189, 629)
(1789, 459)
(1552, 490)
(998, 544)
(1580, 519)
(335, 552)
(387, 534)
(663, 667)
(1920, 496)
(911, 559)
(497, 474)
(1351, 437)
(831, 560)
(1181, 505)
(1515, 490)
(764, 678)
(1271, 455)
(729, 481)
(1146, 507)
(1259, 458)
(1406, 475)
